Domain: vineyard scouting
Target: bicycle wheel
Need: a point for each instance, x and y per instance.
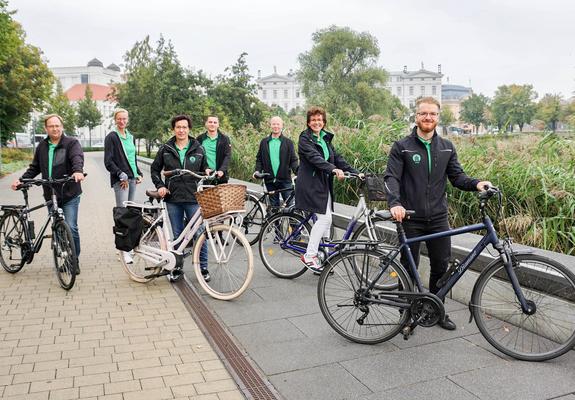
(12, 238)
(547, 333)
(339, 293)
(230, 262)
(142, 269)
(64, 251)
(281, 245)
(253, 218)
(381, 233)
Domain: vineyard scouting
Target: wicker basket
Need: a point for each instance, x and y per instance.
(221, 199)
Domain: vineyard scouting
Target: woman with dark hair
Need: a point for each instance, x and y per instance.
(182, 151)
(318, 163)
(121, 161)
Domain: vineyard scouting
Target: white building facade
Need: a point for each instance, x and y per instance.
(93, 72)
(280, 90)
(410, 85)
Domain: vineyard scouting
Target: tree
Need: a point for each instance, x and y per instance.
(549, 110)
(446, 118)
(569, 114)
(88, 114)
(340, 72)
(59, 104)
(513, 104)
(25, 80)
(474, 110)
(235, 93)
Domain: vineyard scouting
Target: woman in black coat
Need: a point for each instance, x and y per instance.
(319, 162)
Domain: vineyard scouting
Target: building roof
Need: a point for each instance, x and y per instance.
(455, 92)
(113, 67)
(94, 62)
(99, 92)
(419, 73)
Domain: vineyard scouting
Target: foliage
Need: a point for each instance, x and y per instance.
(549, 110)
(474, 110)
(513, 104)
(340, 73)
(14, 159)
(446, 118)
(88, 114)
(59, 104)
(25, 80)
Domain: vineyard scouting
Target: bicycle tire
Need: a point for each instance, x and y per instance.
(544, 335)
(141, 269)
(278, 260)
(253, 218)
(12, 237)
(230, 262)
(337, 291)
(64, 252)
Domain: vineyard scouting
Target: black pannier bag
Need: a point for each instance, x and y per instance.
(375, 187)
(128, 226)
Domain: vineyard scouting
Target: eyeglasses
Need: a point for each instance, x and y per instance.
(428, 114)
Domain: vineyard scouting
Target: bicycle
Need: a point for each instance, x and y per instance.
(259, 209)
(288, 233)
(522, 303)
(230, 259)
(19, 242)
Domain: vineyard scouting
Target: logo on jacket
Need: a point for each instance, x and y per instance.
(192, 159)
(416, 158)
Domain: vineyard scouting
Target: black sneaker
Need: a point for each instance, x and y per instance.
(206, 275)
(447, 324)
(78, 269)
(175, 275)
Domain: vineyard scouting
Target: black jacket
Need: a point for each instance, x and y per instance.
(408, 182)
(183, 187)
(288, 160)
(315, 178)
(223, 154)
(68, 158)
(115, 158)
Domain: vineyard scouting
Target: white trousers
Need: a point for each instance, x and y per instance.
(320, 228)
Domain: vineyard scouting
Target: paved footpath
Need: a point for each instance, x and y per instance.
(107, 338)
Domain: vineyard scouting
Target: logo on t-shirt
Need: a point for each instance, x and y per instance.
(416, 158)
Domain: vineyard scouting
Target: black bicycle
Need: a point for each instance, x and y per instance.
(522, 303)
(19, 242)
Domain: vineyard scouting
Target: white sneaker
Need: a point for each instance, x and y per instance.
(312, 263)
(127, 257)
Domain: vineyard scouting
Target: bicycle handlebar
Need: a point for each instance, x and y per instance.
(178, 172)
(26, 183)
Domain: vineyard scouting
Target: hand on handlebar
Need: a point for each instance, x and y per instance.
(339, 174)
(398, 213)
(484, 185)
(16, 184)
(163, 191)
(78, 176)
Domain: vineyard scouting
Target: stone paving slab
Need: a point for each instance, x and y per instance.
(108, 337)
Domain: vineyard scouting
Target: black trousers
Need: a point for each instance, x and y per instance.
(439, 250)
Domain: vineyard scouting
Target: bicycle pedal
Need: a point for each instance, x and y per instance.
(406, 332)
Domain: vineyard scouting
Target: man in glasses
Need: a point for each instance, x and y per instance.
(416, 178)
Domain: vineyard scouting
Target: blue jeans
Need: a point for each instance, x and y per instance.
(70, 209)
(275, 198)
(123, 195)
(176, 212)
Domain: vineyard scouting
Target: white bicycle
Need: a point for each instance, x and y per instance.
(230, 258)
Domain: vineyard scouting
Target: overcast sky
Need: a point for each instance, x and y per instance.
(481, 43)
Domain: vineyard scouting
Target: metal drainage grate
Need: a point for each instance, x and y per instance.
(250, 381)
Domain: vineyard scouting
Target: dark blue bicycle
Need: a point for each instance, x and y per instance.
(523, 303)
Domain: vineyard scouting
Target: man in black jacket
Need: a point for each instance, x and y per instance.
(416, 178)
(55, 157)
(218, 148)
(276, 156)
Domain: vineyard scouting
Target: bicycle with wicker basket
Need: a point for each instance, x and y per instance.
(230, 259)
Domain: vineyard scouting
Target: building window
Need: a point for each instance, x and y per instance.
(410, 79)
(275, 83)
(434, 90)
(297, 94)
(422, 90)
(275, 94)
(398, 79)
(422, 79)
(285, 106)
(265, 94)
(411, 90)
(399, 90)
(285, 94)
(84, 78)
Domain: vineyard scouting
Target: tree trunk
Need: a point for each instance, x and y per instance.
(89, 137)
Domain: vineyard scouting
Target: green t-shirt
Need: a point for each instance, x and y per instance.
(209, 146)
(182, 153)
(51, 148)
(322, 143)
(274, 147)
(130, 150)
(427, 144)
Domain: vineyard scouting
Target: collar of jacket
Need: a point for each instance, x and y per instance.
(414, 134)
(171, 144)
(327, 137)
(61, 143)
(280, 137)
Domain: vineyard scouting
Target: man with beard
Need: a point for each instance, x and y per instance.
(416, 178)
